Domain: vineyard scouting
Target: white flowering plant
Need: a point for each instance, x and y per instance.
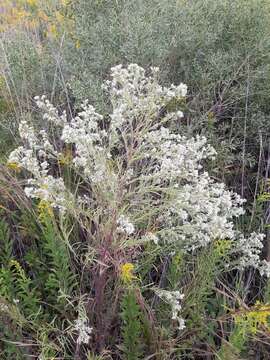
(133, 183)
(131, 162)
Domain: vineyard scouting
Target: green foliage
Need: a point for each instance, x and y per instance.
(131, 326)
(31, 303)
(208, 266)
(247, 322)
(60, 281)
(176, 270)
(26, 295)
(6, 244)
(15, 284)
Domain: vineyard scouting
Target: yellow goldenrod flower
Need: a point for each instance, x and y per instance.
(2, 81)
(14, 263)
(222, 247)
(211, 115)
(52, 30)
(14, 166)
(21, 14)
(31, 2)
(127, 272)
(17, 266)
(252, 319)
(59, 17)
(42, 16)
(32, 24)
(65, 2)
(65, 158)
(260, 314)
(45, 210)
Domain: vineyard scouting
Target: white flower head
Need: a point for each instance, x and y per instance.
(84, 331)
(124, 225)
(173, 298)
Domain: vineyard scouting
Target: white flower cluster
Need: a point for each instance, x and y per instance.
(34, 157)
(50, 113)
(133, 155)
(4, 308)
(150, 237)
(49, 189)
(173, 298)
(201, 211)
(135, 96)
(84, 132)
(174, 157)
(250, 249)
(84, 331)
(124, 225)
